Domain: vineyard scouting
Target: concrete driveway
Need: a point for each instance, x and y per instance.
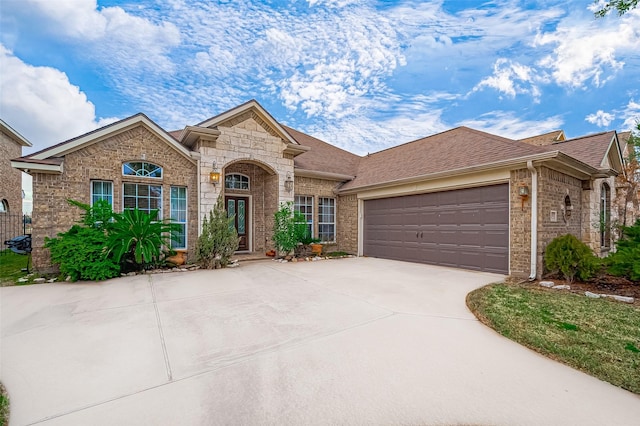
(351, 341)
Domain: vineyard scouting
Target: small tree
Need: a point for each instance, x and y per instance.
(289, 229)
(219, 238)
(628, 183)
(571, 257)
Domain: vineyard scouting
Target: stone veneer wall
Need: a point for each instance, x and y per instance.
(10, 188)
(103, 161)
(247, 139)
(591, 215)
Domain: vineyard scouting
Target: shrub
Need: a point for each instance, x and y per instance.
(626, 259)
(81, 252)
(290, 229)
(571, 257)
(219, 239)
(137, 237)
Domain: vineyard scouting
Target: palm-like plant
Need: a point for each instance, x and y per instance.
(139, 235)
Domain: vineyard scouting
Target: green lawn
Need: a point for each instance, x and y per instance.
(599, 337)
(11, 265)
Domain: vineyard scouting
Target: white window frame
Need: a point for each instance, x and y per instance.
(605, 215)
(176, 210)
(4, 206)
(137, 197)
(326, 218)
(108, 197)
(145, 172)
(306, 201)
(243, 178)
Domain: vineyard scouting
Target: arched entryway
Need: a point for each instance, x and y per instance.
(251, 196)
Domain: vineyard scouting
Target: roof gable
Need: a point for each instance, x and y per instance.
(546, 138)
(13, 134)
(600, 150)
(250, 109)
(95, 136)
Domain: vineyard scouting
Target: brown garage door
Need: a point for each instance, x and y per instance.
(464, 228)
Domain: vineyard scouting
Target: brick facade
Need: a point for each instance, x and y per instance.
(103, 161)
(10, 189)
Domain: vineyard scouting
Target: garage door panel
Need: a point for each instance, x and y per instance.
(466, 228)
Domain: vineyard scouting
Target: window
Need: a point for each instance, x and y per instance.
(304, 205)
(141, 169)
(236, 181)
(605, 216)
(179, 216)
(144, 197)
(101, 190)
(4, 206)
(327, 219)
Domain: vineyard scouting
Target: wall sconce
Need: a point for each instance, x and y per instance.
(523, 192)
(567, 208)
(288, 183)
(214, 176)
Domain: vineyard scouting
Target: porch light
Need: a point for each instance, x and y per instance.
(288, 183)
(523, 190)
(214, 176)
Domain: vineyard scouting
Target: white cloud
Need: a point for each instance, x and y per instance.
(108, 34)
(508, 125)
(600, 118)
(631, 115)
(42, 104)
(511, 78)
(587, 51)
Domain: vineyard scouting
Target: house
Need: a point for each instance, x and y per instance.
(461, 198)
(11, 144)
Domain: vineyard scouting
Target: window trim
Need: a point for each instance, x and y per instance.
(333, 206)
(184, 223)
(101, 195)
(242, 175)
(137, 184)
(4, 206)
(146, 175)
(309, 216)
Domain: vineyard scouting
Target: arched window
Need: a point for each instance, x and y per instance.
(141, 169)
(605, 215)
(4, 206)
(236, 181)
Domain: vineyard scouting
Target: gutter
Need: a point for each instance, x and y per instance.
(322, 175)
(534, 220)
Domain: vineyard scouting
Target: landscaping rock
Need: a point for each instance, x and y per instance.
(561, 287)
(548, 284)
(39, 280)
(52, 280)
(624, 299)
(592, 295)
(23, 280)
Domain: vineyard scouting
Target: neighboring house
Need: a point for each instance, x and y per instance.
(461, 198)
(10, 183)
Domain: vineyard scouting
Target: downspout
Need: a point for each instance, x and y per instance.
(534, 220)
(199, 198)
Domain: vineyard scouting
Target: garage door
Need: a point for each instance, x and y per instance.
(464, 228)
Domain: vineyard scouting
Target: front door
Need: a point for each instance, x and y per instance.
(237, 207)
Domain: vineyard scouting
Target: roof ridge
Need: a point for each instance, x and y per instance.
(583, 137)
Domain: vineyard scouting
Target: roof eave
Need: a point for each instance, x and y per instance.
(5, 127)
(582, 169)
(30, 168)
(322, 175)
(191, 134)
(295, 149)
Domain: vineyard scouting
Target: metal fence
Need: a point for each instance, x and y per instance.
(13, 225)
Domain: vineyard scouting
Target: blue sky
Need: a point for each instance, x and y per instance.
(363, 75)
